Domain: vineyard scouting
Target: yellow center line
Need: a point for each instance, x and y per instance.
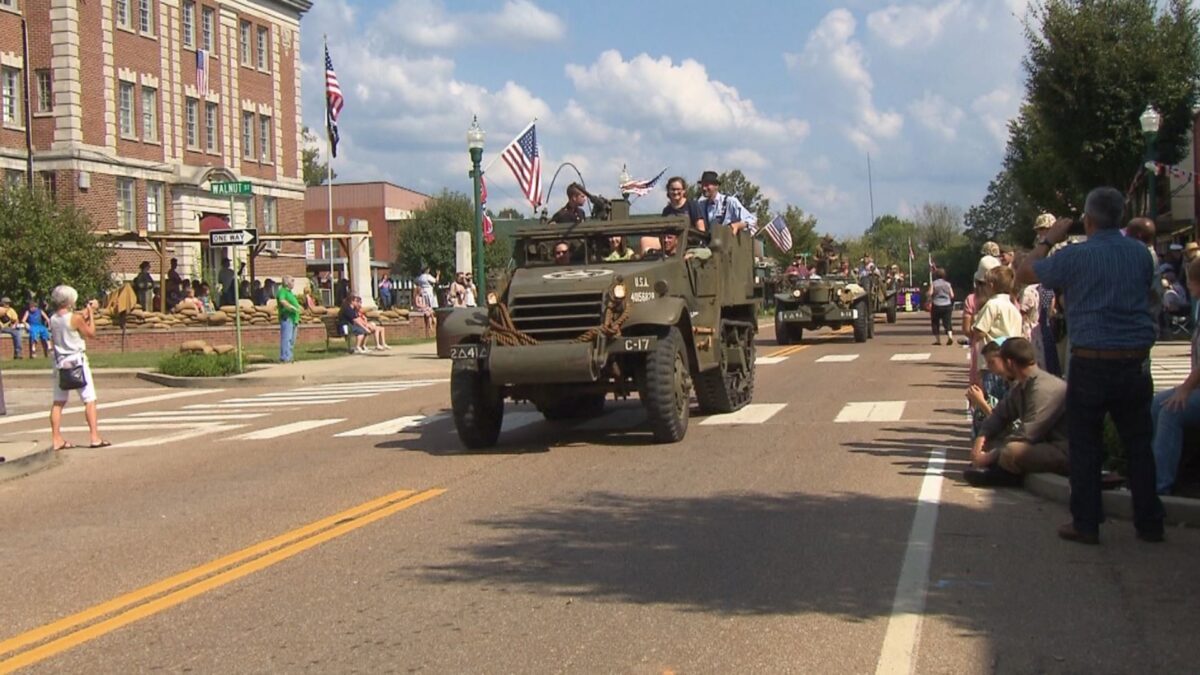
(285, 545)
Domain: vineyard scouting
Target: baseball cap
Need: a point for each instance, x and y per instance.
(1043, 221)
(986, 263)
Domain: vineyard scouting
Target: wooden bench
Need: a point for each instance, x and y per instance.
(333, 329)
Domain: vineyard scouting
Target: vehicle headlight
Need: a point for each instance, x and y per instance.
(618, 291)
(797, 293)
(492, 300)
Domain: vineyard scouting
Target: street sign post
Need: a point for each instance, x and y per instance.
(231, 188)
(246, 237)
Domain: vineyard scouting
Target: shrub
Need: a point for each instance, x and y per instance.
(199, 365)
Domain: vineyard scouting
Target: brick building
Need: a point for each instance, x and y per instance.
(120, 124)
(382, 205)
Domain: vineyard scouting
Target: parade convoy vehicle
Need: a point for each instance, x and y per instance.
(886, 292)
(565, 336)
(834, 301)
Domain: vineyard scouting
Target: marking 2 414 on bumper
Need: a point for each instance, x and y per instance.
(468, 352)
(795, 315)
(633, 344)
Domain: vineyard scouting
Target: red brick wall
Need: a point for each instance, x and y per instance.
(141, 55)
(91, 77)
(10, 41)
(38, 15)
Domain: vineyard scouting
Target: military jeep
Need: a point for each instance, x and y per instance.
(835, 301)
(884, 292)
(565, 334)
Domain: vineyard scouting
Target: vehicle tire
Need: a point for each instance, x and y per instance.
(861, 324)
(798, 335)
(891, 310)
(783, 334)
(724, 389)
(573, 407)
(478, 407)
(667, 385)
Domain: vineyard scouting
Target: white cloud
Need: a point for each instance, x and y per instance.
(832, 45)
(937, 114)
(900, 26)
(679, 99)
(995, 109)
(426, 23)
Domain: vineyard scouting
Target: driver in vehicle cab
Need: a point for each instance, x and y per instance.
(562, 253)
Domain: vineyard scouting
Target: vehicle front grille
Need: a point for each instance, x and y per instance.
(562, 316)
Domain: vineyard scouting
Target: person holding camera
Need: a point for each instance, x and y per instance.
(68, 330)
(1106, 282)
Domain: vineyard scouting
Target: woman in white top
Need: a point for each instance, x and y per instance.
(68, 330)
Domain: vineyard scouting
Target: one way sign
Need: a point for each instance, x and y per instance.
(247, 237)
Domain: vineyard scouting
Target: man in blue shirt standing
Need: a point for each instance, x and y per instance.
(722, 209)
(1107, 283)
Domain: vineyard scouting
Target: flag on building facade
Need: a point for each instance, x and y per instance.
(202, 72)
(489, 232)
(333, 103)
(779, 233)
(524, 160)
(641, 187)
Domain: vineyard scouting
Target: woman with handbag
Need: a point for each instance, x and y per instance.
(68, 329)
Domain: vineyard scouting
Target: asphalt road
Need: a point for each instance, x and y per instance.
(829, 532)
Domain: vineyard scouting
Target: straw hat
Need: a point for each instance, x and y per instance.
(1044, 221)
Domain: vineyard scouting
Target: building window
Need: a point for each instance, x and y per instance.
(10, 96)
(248, 135)
(128, 126)
(207, 19)
(146, 17)
(210, 127)
(193, 113)
(270, 221)
(8, 4)
(14, 178)
(264, 48)
(45, 90)
(189, 24)
(125, 217)
(264, 139)
(122, 11)
(150, 114)
(46, 182)
(154, 206)
(244, 35)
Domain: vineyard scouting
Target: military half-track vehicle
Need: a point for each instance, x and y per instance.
(810, 303)
(565, 335)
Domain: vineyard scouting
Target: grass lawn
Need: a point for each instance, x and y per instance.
(149, 360)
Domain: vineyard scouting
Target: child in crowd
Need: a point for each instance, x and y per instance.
(39, 327)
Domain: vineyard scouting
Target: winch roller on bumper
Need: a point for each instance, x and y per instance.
(546, 364)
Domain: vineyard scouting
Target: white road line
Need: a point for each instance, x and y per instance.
(358, 386)
(218, 407)
(332, 398)
(871, 411)
(191, 417)
(837, 358)
(180, 436)
(899, 652)
(769, 360)
(306, 396)
(918, 356)
(127, 425)
(285, 429)
(755, 413)
(393, 426)
(72, 408)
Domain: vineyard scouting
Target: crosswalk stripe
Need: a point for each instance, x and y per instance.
(837, 358)
(127, 425)
(871, 411)
(769, 360)
(217, 407)
(181, 435)
(307, 396)
(359, 386)
(190, 417)
(755, 413)
(286, 429)
(917, 356)
(393, 426)
(115, 404)
(286, 399)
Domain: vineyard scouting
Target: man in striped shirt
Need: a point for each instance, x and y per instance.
(1107, 283)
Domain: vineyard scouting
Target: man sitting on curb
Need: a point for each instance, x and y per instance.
(1003, 454)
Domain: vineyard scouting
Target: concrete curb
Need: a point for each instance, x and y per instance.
(25, 464)
(1180, 510)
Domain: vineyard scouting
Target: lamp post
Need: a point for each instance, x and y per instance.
(475, 138)
(1150, 121)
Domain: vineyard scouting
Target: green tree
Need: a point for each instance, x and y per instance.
(315, 171)
(1092, 67)
(428, 238)
(44, 244)
(888, 238)
(1004, 215)
(804, 236)
(939, 225)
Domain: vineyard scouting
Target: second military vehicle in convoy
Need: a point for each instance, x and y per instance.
(582, 316)
(809, 303)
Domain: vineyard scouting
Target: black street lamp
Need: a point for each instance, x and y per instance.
(475, 138)
(1150, 121)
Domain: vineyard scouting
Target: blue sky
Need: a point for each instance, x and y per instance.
(796, 94)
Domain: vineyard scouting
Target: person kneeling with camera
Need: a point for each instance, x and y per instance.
(1027, 430)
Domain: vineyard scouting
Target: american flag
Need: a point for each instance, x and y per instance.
(202, 71)
(489, 232)
(333, 103)
(779, 233)
(911, 254)
(523, 159)
(641, 187)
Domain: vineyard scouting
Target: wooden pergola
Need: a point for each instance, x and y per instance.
(157, 241)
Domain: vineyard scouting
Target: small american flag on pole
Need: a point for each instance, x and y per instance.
(202, 71)
(779, 233)
(333, 103)
(524, 160)
(641, 187)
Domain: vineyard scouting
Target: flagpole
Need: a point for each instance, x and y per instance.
(329, 180)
